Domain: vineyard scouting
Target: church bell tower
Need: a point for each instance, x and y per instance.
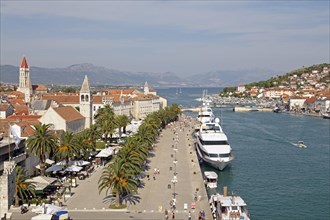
(86, 102)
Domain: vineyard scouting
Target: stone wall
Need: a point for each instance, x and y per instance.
(7, 187)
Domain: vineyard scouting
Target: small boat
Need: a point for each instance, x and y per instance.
(210, 179)
(300, 144)
(276, 109)
(326, 115)
(228, 207)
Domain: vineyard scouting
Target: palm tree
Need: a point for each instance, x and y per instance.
(68, 147)
(93, 135)
(42, 143)
(131, 158)
(84, 144)
(23, 189)
(122, 122)
(105, 120)
(117, 181)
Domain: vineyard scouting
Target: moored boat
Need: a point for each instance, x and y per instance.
(326, 115)
(224, 207)
(212, 145)
(210, 179)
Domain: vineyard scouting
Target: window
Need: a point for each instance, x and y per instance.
(82, 98)
(86, 97)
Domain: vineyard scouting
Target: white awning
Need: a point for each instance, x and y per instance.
(41, 182)
(105, 152)
(79, 162)
(55, 168)
(73, 168)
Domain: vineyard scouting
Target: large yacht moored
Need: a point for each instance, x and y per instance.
(212, 145)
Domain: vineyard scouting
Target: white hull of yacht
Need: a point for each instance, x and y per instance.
(217, 164)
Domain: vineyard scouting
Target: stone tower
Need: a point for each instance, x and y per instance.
(86, 102)
(25, 85)
(146, 88)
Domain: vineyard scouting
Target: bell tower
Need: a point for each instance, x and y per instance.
(25, 85)
(86, 102)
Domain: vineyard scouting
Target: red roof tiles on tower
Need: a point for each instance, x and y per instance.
(24, 63)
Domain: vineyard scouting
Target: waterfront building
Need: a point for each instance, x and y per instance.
(241, 88)
(296, 103)
(64, 118)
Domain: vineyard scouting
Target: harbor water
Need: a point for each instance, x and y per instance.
(276, 179)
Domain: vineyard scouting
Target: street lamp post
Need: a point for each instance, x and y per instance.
(174, 181)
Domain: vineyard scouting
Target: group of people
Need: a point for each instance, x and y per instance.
(201, 215)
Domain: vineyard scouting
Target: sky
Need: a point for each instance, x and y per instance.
(183, 37)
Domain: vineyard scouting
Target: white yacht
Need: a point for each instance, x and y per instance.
(212, 145)
(205, 114)
(210, 179)
(228, 207)
(300, 144)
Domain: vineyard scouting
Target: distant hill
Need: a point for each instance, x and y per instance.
(74, 74)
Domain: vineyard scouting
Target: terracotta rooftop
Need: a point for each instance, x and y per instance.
(68, 113)
(39, 88)
(73, 99)
(4, 107)
(21, 109)
(24, 63)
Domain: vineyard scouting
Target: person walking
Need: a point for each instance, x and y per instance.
(166, 214)
(189, 215)
(173, 215)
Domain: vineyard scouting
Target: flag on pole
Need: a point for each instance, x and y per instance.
(17, 139)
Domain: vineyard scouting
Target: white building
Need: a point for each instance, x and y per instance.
(64, 118)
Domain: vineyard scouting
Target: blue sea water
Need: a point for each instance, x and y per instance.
(276, 179)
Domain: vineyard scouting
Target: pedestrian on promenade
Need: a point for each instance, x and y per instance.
(189, 215)
(203, 215)
(173, 215)
(199, 215)
(166, 214)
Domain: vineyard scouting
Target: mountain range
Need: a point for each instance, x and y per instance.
(74, 74)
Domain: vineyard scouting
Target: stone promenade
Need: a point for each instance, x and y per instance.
(175, 144)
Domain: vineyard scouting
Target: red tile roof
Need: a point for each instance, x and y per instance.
(73, 99)
(39, 88)
(30, 118)
(21, 109)
(4, 107)
(24, 63)
(68, 113)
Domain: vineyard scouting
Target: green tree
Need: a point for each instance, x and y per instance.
(67, 148)
(41, 144)
(23, 190)
(117, 180)
(105, 120)
(122, 122)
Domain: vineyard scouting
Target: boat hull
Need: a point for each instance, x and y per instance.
(220, 165)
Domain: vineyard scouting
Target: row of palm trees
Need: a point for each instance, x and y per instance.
(44, 143)
(119, 178)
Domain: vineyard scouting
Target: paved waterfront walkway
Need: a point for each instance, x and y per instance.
(155, 196)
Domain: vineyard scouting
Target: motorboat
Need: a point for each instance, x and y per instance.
(210, 179)
(228, 207)
(205, 114)
(326, 115)
(212, 145)
(276, 109)
(300, 144)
